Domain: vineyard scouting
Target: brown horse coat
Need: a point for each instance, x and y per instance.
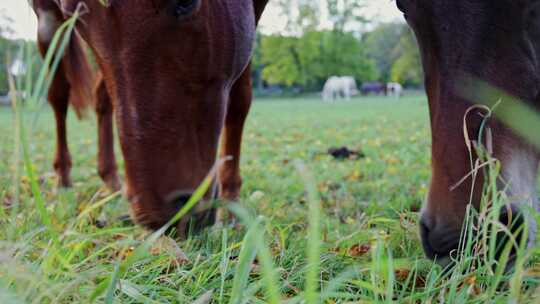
(175, 75)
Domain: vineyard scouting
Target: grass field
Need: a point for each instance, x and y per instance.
(369, 246)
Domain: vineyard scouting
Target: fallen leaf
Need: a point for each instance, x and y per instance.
(470, 280)
(205, 298)
(125, 253)
(118, 236)
(354, 176)
(474, 290)
(358, 250)
(392, 160)
(166, 245)
(420, 282)
(402, 274)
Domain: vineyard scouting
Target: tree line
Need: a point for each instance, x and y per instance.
(343, 42)
(388, 53)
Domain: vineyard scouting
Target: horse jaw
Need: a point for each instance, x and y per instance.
(519, 172)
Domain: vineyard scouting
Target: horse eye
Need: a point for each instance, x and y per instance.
(185, 7)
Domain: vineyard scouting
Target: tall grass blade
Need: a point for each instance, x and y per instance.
(244, 264)
(270, 281)
(314, 236)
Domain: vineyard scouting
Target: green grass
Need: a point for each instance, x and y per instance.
(322, 230)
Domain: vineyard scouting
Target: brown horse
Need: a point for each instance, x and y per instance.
(497, 41)
(175, 75)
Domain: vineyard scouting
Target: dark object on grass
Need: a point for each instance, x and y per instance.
(345, 153)
(100, 223)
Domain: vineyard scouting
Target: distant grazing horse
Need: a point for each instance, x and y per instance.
(339, 87)
(176, 75)
(497, 42)
(394, 89)
(376, 88)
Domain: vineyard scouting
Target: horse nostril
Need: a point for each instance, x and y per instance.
(424, 229)
(179, 199)
(424, 235)
(183, 199)
(199, 216)
(425, 226)
(438, 239)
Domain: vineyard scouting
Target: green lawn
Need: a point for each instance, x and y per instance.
(370, 249)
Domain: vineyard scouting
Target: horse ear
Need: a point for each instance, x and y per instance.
(259, 6)
(404, 5)
(532, 11)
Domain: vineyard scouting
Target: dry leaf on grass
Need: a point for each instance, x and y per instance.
(169, 246)
(358, 250)
(205, 298)
(402, 274)
(125, 253)
(472, 288)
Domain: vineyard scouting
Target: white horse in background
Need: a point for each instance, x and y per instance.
(394, 89)
(339, 87)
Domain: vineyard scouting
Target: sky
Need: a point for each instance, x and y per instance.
(24, 21)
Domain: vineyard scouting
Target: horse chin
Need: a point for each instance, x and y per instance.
(193, 224)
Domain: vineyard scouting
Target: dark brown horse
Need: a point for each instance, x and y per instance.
(498, 42)
(175, 75)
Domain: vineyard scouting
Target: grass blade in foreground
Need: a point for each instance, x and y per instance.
(314, 236)
(245, 261)
(271, 284)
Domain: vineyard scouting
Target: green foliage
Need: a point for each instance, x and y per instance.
(407, 68)
(382, 45)
(393, 48)
(281, 60)
(306, 57)
(309, 51)
(309, 60)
